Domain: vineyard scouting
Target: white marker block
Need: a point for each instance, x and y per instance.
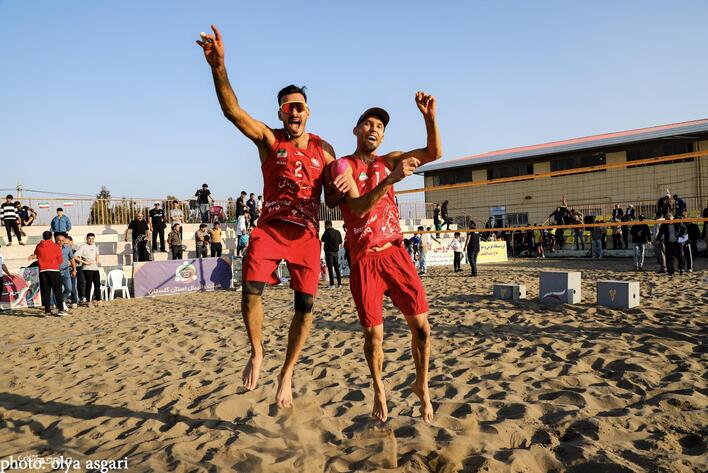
(618, 294)
(559, 287)
(509, 292)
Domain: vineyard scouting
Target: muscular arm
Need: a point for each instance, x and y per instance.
(433, 148)
(362, 204)
(254, 130)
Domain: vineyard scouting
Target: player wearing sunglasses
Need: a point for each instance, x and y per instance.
(293, 163)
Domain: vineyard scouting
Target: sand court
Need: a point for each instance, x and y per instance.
(516, 386)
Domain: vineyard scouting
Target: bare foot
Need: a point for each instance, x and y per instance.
(426, 407)
(380, 410)
(284, 396)
(252, 371)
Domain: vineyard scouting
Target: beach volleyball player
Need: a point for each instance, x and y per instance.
(379, 263)
(292, 162)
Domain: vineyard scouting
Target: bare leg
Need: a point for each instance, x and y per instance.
(420, 346)
(252, 309)
(373, 349)
(299, 330)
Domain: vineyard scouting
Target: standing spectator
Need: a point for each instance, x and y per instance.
(472, 247)
(215, 240)
(616, 234)
(488, 225)
(630, 213)
(578, 236)
(88, 254)
(597, 234)
(11, 220)
(690, 247)
(79, 278)
(625, 232)
(331, 241)
(659, 248)
(259, 210)
(60, 223)
(538, 237)
(204, 200)
(73, 271)
(157, 226)
(551, 239)
(456, 247)
(414, 247)
(174, 240)
(176, 215)
(617, 213)
(49, 257)
(640, 237)
(426, 245)
(140, 237)
(66, 268)
(241, 230)
(674, 235)
(251, 206)
(665, 206)
(446, 220)
(243, 242)
(241, 205)
(560, 237)
(680, 206)
(201, 238)
(436, 220)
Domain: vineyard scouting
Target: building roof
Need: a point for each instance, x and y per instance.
(575, 144)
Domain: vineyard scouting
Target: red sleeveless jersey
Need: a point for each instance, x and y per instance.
(292, 182)
(382, 224)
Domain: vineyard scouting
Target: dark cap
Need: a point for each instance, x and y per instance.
(377, 112)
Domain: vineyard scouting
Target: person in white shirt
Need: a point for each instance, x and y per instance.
(88, 254)
(456, 246)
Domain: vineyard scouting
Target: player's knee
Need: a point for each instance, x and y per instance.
(304, 302)
(423, 332)
(373, 338)
(250, 294)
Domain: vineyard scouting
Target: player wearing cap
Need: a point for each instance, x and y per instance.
(292, 162)
(379, 263)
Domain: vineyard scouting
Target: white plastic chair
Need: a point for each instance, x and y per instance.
(102, 278)
(117, 281)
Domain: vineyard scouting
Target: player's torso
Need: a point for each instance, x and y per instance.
(382, 224)
(292, 181)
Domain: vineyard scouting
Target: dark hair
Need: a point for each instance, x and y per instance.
(59, 209)
(328, 222)
(174, 225)
(457, 234)
(9, 196)
(217, 223)
(18, 203)
(89, 235)
(292, 89)
(243, 192)
(203, 225)
(46, 235)
(205, 185)
(68, 237)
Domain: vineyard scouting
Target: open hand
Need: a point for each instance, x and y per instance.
(213, 48)
(404, 168)
(426, 104)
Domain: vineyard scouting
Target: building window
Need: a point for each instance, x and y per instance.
(578, 161)
(656, 150)
(517, 219)
(453, 176)
(509, 170)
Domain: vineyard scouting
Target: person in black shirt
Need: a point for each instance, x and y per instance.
(436, 220)
(705, 228)
(617, 212)
(140, 230)
(204, 199)
(446, 220)
(241, 204)
(11, 219)
(332, 240)
(157, 227)
(472, 247)
(251, 204)
(640, 237)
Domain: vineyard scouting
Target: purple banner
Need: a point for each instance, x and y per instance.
(21, 290)
(156, 278)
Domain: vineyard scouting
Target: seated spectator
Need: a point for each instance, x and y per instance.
(60, 223)
(27, 215)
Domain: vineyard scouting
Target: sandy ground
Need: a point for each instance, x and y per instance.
(516, 386)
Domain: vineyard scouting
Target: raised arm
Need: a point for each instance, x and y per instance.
(433, 149)
(361, 205)
(256, 131)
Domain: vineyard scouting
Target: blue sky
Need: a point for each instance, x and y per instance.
(117, 93)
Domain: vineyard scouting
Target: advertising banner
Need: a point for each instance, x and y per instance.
(489, 252)
(21, 291)
(156, 278)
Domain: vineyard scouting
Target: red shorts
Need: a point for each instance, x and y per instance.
(277, 240)
(389, 272)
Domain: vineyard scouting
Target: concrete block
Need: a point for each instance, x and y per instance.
(618, 294)
(559, 287)
(508, 292)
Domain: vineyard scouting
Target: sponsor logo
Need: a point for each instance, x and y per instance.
(363, 176)
(186, 272)
(613, 294)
